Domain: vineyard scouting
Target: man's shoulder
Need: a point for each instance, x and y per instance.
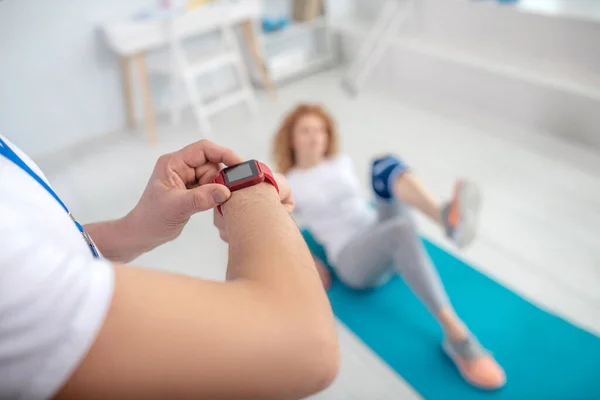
(62, 295)
(23, 156)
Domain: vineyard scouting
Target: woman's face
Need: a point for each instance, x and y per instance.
(310, 139)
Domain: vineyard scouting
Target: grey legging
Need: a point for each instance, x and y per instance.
(392, 243)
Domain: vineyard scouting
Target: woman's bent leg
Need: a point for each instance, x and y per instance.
(366, 260)
(392, 243)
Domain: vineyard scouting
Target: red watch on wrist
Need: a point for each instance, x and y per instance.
(244, 175)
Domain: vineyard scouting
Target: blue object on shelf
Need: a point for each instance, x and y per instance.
(271, 25)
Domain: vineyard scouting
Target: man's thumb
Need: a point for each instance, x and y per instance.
(208, 196)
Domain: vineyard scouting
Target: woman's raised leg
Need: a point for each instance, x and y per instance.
(392, 179)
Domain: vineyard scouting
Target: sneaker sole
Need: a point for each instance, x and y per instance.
(468, 198)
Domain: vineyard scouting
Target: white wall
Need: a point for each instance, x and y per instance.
(483, 25)
(585, 9)
(59, 83)
(527, 69)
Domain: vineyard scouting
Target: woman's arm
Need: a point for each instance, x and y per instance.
(323, 271)
(268, 333)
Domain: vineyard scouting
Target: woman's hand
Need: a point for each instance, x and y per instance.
(324, 273)
(285, 194)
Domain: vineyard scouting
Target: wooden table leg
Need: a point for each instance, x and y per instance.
(146, 98)
(248, 32)
(128, 91)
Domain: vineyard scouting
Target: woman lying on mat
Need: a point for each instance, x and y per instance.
(360, 240)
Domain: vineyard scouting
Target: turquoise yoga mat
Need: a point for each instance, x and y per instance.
(544, 356)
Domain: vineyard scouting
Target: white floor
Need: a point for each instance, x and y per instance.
(540, 224)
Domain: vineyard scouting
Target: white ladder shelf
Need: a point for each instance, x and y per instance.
(184, 68)
(379, 39)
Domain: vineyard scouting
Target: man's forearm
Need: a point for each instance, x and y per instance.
(261, 232)
(266, 246)
(116, 239)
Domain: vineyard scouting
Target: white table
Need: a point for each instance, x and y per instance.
(132, 39)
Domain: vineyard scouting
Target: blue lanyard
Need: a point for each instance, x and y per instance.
(12, 156)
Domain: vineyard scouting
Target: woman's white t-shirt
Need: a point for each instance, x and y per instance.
(54, 294)
(330, 204)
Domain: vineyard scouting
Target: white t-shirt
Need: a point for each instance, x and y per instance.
(53, 293)
(330, 204)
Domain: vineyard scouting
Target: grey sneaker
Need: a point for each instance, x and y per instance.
(461, 214)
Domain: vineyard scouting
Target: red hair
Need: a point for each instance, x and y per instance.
(283, 149)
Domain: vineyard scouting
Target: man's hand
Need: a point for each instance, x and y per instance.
(285, 194)
(180, 186)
